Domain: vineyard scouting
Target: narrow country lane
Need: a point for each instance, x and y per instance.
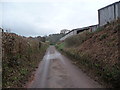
(57, 71)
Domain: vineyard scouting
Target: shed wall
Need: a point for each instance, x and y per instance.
(109, 13)
(94, 28)
(74, 32)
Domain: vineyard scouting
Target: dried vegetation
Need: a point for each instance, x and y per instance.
(21, 55)
(97, 53)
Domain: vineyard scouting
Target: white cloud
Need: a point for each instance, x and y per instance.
(1, 14)
(41, 17)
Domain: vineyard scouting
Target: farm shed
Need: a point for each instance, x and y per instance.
(72, 32)
(79, 30)
(109, 13)
(93, 28)
(0, 48)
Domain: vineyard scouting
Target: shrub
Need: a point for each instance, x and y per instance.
(20, 57)
(77, 40)
(103, 36)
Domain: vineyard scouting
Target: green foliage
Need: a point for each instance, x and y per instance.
(54, 38)
(102, 61)
(77, 40)
(110, 75)
(99, 29)
(21, 56)
(60, 46)
(103, 36)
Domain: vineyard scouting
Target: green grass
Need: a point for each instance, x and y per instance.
(110, 75)
(77, 40)
(100, 67)
(103, 36)
(60, 46)
(20, 59)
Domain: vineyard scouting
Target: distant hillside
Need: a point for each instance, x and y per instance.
(54, 38)
(97, 53)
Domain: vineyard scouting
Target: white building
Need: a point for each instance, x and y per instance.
(72, 32)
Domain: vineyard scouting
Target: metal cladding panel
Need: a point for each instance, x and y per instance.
(116, 9)
(68, 35)
(119, 10)
(74, 32)
(106, 15)
(109, 13)
(94, 28)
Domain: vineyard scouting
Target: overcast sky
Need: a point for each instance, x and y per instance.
(44, 17)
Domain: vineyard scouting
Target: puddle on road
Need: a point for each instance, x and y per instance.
(55, 71)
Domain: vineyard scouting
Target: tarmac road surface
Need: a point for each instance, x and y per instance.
(57, 71)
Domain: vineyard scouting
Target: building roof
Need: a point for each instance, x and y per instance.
(93, 25)
(84, 28)
(109, 5)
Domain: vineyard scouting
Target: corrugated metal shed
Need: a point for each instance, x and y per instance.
(109, 13)
(79, 30)
(74, 32)
(105, 15)
(71, 33)
(93, 28)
